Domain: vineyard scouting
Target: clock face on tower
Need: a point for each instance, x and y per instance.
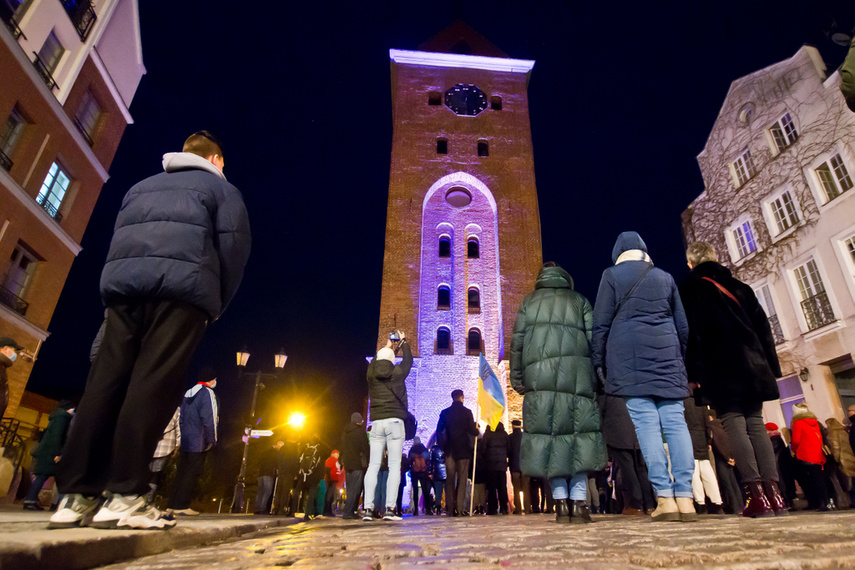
(465, 99)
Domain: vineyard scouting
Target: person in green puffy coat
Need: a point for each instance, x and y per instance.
(551, 366)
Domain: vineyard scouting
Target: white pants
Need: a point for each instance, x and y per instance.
(386, 435)
(704, 481)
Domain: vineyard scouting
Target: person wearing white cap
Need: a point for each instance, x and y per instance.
(387, 393)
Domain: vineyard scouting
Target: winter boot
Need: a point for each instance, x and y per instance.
(562, 511)
(686, 506)
(757, 504)
(666, 510)
(579, 513)
(777, 502)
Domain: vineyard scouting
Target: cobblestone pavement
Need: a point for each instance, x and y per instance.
(802, 540)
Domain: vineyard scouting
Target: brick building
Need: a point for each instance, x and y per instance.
(779, 206)
(68, 71)
(463, 229)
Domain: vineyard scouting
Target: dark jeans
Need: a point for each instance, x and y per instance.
(33, 494)
(190, 467)
(521, 485)
(329, 497)
(262, 496)
(302, 492)
(134, 385)
(423, 480)
(497, 492)
(456, 470)
(438, 491)
(282, 495)
(635, 487)
(752, 448)
(353, 482)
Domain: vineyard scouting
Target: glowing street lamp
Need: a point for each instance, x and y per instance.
(240, 485)
(297, 420)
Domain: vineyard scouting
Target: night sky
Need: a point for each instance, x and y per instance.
(621, 99)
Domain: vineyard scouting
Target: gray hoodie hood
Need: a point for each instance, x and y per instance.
(175, 161)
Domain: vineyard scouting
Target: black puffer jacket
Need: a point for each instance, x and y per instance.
(182, 235)
(386, 388)
(551, 367)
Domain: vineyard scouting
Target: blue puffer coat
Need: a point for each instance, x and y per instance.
(182, 235)
(642, 348)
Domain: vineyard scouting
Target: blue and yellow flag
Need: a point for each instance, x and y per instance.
(491, 397)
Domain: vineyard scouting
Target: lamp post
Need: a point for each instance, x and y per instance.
(242, 358)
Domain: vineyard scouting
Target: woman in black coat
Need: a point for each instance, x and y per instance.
(496, 445)
(639, 339)
(732, 357)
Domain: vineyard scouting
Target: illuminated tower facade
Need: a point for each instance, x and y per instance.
(463, 228)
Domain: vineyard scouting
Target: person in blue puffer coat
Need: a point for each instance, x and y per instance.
(179, 248)
(640, 334)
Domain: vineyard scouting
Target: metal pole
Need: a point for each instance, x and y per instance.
(240, 485)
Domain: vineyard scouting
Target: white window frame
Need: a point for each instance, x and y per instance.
(23, 278)
(776, 304)
(771, 219)
(789, 136)
(815, 183)
(847, 263)
(796, 296)
(743, 168)
(732, 242)
(50, 185)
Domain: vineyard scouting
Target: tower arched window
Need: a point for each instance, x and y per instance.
(473, 343)
(473, 248)
(443, 298)
(445, 246)
(443, 341)
(473, 297)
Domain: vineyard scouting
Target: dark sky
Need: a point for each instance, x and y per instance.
(622, 99)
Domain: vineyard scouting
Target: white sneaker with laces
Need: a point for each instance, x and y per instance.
(391, 517)
(147, 517)
(117, 508)
(75, 510)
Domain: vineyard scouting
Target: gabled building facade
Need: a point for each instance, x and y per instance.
(68, 72)
(779, 205)
(463, 227)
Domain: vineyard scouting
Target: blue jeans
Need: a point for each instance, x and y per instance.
(651, 418)
(578, 487)
(262, 497)
(385, 435)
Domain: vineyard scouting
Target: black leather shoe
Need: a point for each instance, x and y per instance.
(33, 506)
(579, 513)
(562, 511)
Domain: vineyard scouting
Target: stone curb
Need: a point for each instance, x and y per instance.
(76, 549)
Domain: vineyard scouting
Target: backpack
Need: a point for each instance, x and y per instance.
(307, 459)
(419, 465)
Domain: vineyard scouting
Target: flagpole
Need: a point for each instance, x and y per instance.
(474, 461)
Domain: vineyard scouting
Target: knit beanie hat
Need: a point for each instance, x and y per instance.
(386, 353)
(356, 418)
(207, 374)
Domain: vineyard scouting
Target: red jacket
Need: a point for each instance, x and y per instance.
(807, 441)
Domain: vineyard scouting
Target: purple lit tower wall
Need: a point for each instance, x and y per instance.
(463, 230)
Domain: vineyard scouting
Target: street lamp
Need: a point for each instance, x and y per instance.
(242, 358)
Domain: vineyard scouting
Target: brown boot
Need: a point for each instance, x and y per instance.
(777, 502)
(686, 505)
(666, 510)
(757, 504)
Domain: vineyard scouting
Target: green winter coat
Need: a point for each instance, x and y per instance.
(551, 366)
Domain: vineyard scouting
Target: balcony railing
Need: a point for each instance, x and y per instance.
(83, 132)
(5, 161)
(777, 332)
(51, 209)
(13, 301)
(9, 19)
(82, 15)
(43, 70)
(818, 311)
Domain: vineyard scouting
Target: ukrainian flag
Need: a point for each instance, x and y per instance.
(491, 397)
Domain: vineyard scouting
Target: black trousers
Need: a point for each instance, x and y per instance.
(282, 495)
(134, 385)
(353, 481)
(190, 467)
(497, 492)
(423, 480)
(635, 487)
(457, 471)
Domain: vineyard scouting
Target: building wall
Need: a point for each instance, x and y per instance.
(51, 136)
(809, 355)
(503, 214)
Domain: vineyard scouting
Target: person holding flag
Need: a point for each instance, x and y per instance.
(551, 367)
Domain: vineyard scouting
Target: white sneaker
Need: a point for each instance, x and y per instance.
(117, 508)
(391, 517)
(147, 517)
(188, 512)
(74, 510)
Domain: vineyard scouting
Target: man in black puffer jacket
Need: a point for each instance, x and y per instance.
(179, 248)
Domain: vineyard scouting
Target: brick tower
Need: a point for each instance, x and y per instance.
(462, 229)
